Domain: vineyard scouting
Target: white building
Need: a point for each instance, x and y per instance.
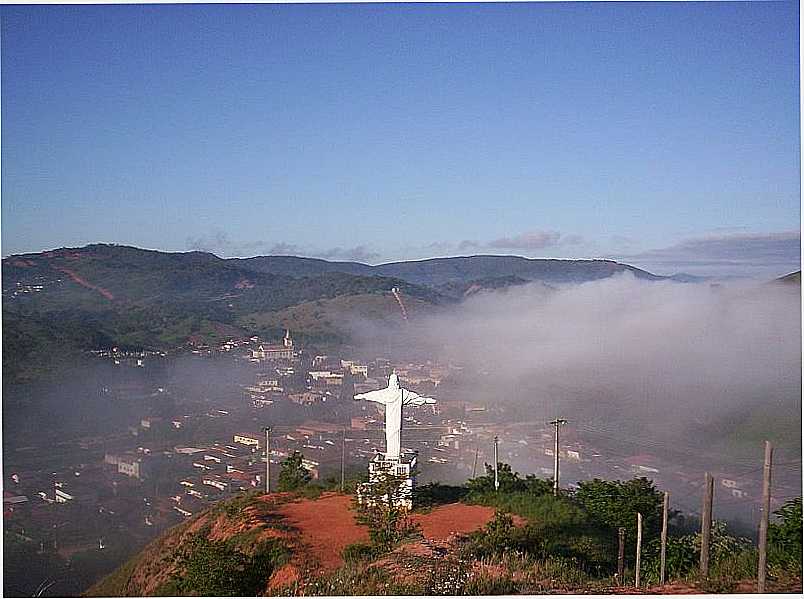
(63, 497)
(214, 482)
(132, 468)
(248, 439)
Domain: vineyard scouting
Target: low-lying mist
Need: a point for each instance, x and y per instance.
(658, 359)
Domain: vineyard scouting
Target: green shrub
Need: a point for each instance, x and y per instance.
(737, 566)
(785, 537)
(388, 522)
(509, 481)
(486, 584)
(292, 475)
(356, 552)
(433, 494)
(211, 568)
(615, 504)
(311, 491)
(557, 527)
(682, 557)
(497, 537)
(234, 506)
(567, 571)
(729, 556)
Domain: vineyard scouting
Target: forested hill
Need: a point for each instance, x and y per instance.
(100, 296)
(104, 295)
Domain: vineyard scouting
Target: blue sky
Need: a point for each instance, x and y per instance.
(663, 134)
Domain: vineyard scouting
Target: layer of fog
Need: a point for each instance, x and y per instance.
(658, 359)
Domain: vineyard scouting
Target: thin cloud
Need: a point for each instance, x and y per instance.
(219, 242)
(527, 241)
(531, 240)
(359, 253)
(284, 249)
(732, 253)
(215, 241)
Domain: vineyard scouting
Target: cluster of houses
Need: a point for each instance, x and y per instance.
(122, 357)
(224, 469)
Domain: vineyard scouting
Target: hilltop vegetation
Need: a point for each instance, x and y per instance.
(529, 541)
(230, 549)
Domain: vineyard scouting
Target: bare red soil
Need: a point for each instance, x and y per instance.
(283, 577)
(326, 526)
(453, 519)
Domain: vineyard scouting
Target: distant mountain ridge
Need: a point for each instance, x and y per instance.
(794, 278)
(457, 269)
(105, 295)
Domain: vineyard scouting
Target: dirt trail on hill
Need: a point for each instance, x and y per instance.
(84, 283)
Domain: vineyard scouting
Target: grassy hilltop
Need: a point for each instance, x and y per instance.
(464, 540)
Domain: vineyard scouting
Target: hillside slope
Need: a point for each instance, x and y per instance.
(794, 278)
(107, 295)
(506, 542)
(262, 545)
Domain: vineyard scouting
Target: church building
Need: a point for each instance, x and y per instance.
(284, 351)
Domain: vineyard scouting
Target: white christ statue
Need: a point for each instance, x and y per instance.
(393, 397)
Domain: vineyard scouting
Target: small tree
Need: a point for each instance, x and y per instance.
(616, 503)
(683, 554)
(509, 481)
(383, 513)
(785, 535)
(292, 474)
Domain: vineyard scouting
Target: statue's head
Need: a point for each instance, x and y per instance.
(393, 381)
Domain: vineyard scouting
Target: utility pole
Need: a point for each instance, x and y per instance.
(556, 423)
(621, 555)
(663, 564)
(765, 516)
(496, 460)
(706, 523)
(343, 458)
(638, 549)
(267, 460)
(474, 466)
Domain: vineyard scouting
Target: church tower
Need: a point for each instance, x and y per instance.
(287, 341)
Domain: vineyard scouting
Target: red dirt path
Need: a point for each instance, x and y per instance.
(84, 283)
(326, 526)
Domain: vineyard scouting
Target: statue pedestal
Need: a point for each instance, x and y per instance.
(383, 471)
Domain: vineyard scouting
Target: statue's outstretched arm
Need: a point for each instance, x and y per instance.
(414, 399)
(379, 396)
